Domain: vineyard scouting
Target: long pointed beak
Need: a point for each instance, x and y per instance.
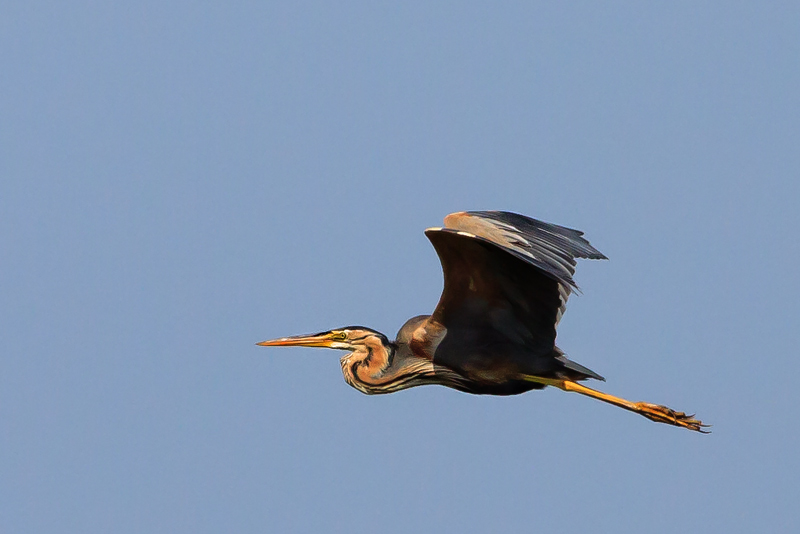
(316, 340)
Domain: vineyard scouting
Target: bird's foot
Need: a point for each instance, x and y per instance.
(662, 414)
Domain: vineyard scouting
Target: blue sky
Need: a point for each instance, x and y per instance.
(182, 180)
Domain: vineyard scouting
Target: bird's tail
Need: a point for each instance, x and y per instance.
(583, 372)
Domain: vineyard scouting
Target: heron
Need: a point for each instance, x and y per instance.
(507, 278)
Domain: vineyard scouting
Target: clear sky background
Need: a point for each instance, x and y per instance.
(181, 180)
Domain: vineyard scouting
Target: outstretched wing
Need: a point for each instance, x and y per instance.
(506, 281)
(550, 247)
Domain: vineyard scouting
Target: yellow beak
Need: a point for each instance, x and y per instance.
(316, 340)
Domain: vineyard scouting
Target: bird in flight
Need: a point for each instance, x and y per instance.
(507, 278)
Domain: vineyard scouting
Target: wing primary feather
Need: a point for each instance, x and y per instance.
(549, 247)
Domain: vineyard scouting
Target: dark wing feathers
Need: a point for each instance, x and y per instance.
(494, 306)
(506, 282)
(549, 247)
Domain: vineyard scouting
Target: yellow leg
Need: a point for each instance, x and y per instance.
(654, 412)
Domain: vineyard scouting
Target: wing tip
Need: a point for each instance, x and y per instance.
(593, 254)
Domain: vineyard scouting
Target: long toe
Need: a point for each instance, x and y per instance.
(662, 414)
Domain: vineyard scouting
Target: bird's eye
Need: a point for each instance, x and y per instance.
(341, 336)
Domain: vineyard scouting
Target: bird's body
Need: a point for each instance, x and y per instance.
(506, 282)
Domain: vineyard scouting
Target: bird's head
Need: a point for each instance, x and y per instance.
(368, 349)
(353, 338)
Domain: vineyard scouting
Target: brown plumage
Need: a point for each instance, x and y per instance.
(507, 279)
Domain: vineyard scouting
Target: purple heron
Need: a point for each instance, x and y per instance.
(507, 278)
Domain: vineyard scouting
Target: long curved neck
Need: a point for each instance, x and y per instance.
(374, 368)
(369, 367)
